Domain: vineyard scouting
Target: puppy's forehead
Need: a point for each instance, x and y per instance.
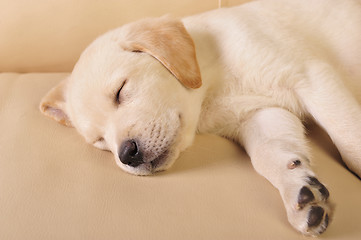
(100, 60)
(93, 82)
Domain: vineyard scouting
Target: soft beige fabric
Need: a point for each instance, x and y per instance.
(55, 186)
(43, 35)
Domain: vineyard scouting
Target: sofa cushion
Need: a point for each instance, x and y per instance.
(43, 35)
(55, 186)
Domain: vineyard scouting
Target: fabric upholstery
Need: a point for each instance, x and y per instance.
(55, 186)
(43, 35)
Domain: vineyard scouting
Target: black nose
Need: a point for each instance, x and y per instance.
(130, 154)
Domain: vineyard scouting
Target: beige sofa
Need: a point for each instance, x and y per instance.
(55, 186)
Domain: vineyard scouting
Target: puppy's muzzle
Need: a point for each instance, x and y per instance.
(130, 154)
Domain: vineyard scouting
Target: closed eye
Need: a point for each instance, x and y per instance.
(118, 96)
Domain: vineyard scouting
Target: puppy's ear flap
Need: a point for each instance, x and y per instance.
(53, 104)
(168, 41)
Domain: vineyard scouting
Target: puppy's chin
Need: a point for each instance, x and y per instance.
(161, 163)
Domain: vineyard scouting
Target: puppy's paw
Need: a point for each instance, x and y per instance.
(311, 212)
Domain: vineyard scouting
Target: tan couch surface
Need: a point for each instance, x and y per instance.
(49, 35)
(55, 186)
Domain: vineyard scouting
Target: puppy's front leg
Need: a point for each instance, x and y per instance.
(274, 139)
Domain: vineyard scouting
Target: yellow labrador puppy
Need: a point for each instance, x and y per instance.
(251, 73)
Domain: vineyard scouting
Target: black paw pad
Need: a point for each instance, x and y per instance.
(305, 196)
(321, 188)
(315, 216)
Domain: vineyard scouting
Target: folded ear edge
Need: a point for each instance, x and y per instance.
(52, 105)
(55, 113)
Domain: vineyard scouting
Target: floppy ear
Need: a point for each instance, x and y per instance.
(168, 41)
(53, 104)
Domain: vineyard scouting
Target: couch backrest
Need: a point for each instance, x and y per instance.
(49, 35)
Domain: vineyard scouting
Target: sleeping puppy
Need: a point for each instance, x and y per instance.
(251, 73)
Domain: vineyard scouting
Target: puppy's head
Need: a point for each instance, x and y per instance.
(133, 92)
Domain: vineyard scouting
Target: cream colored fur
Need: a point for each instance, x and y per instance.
(265, 66)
